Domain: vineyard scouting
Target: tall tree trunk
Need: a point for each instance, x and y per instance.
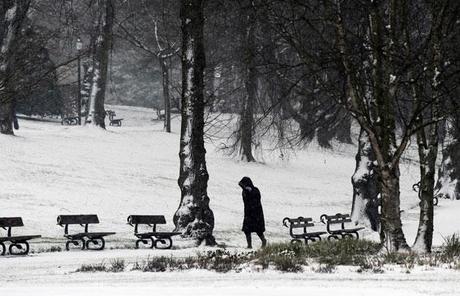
(101, 50)
(428, 137)
(365, 208)
(193, 218)
(250, 84)
(384, 124)
(448, 184)
(391, 233)
(12, 14)
(166, 98)
(428, 151)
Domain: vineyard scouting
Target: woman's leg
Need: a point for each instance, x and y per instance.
(248, 239)
(262, 238)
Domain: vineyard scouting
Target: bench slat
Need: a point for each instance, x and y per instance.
(300, 219)
(302, 225)
(157, 234)
(338, 221)
(146, 219)
(18, 238)
(11, 222)
(89, 234)
(77, 219)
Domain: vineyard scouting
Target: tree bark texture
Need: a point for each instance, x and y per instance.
(101, 49)
(428, 151)
(12, 14)
(250, 85)
(166, 98)
(365, 208)
(194, 217)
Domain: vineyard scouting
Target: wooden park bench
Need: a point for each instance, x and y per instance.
(335, 225)
(73, 120)
(86, 237)
(112, 119)
(302, 224)
(17, 242)
(154, 237)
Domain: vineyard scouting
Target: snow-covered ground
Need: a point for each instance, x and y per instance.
(48, 169)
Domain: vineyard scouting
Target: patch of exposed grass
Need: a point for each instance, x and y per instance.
(451, 247)
(117, 265)
(98, 267)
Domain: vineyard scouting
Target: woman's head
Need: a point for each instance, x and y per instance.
(245, 183)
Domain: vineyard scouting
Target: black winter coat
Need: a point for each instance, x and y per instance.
(253, 214)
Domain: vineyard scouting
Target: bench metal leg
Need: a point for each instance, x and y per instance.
(146, 241)
(165, 243)
(357, 235)
(23, 246)
(75, 243)
(3, 249)
(330, 237)
(100, 242)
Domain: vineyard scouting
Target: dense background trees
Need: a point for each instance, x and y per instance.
(299, 71)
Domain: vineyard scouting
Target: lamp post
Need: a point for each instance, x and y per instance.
(79, 46)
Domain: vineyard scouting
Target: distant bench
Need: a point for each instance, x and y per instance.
(71, 120)
(18, 242)
(113, 121)
(335, 225)
(86, 237)
(153, 236)
(301, 223)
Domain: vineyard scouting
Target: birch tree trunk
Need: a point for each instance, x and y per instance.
(166, 98)
(365, 208)
(428, 137)
(193, 218)
(428, 151)
(250, 84)
(101, 50)
(12, 14)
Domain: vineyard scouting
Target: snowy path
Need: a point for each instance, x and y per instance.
(53, 274)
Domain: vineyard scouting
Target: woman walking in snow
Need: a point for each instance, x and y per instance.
(253, 213)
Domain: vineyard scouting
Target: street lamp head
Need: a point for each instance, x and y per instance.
(79, 44)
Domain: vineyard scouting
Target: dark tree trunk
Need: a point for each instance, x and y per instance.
(250, 84)
(427, 151)
(365, 208)
(12, 14)
(448, 184)
(193, 218)
(391, 233)
(167, 101)
(101, 50)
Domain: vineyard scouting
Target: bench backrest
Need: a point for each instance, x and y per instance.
(146, 219)
(296, 223)
(338, 218)
(77, 219)
(301, 222)
(151, 220)
(11, 222)
(8, 222)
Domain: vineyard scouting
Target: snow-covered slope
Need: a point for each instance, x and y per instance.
(49, 169)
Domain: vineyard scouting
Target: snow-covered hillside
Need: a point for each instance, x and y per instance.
(49, 169)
